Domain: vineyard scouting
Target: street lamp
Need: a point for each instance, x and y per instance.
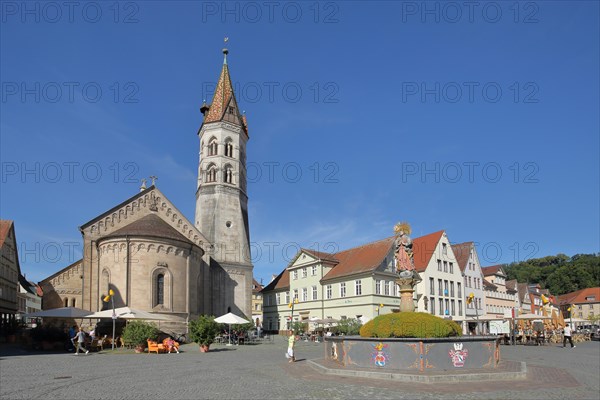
(111, 297)
(378, 308)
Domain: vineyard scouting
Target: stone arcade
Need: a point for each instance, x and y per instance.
(157, 260)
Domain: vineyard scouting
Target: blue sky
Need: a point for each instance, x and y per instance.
(479, 119)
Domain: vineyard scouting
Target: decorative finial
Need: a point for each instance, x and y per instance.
(154, 178)
(143, 187)
(225, 51)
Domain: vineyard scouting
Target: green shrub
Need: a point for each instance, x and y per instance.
(204, 329)
(299, 327)
(348, 326)
(138, 332)
(410, 325)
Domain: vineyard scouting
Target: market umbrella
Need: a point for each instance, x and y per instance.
(63, 312)
(127, 313)
(531, 316)
(231, 319)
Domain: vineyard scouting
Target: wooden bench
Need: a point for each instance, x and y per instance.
(155, 347)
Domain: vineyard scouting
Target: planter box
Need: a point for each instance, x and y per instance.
(414, 354)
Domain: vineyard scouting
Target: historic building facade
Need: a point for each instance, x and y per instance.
(468, 262)
(157, 260)
(9, 274)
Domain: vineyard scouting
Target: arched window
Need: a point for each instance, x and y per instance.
(228, 148)
(211, 173)
(212, 147)
(66, 302)
(160, 289)
(228, 174)
(104, 283)
(73, 302)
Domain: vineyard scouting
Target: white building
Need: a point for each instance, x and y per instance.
(468, 261)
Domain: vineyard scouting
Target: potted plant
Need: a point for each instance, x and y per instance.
(203, 331)
(137, 333)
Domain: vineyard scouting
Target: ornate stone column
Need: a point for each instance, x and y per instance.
(405, 267)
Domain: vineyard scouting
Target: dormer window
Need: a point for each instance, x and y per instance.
(231, 110)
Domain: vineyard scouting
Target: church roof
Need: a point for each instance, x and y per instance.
(461, 252)
(150, 225)
(223, 98)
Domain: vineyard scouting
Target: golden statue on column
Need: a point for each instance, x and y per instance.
(405, 266)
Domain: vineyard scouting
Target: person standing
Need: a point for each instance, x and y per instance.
(80, 336)
(567, 336)
(290, 350)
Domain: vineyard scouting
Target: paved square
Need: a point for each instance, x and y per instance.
(261, 371)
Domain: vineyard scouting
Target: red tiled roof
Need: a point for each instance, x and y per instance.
(491, 270)
(4, 229)
(461, 252)
(321, 255)
(281, 282)
(512, 284)
(257, 287)
(579, 296)
(360, 259)
(489, 284)
(423, 249)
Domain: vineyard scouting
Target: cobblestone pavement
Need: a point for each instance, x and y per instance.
(261, 371)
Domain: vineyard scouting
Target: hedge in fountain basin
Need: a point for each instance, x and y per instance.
(410, 325)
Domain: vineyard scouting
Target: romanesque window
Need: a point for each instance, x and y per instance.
(66, 302)
(213, 147)
(160, 289)
(73, 302)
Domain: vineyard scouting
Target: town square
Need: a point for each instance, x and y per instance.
(328, 199)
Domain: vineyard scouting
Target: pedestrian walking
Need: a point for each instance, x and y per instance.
(80, 336)
(567, 336)
(290, 351)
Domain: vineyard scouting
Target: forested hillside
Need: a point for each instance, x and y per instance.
(561, 274)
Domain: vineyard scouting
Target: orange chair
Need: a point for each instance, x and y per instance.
(155, 347)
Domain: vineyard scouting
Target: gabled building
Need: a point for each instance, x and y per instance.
(468, 262)
(523, 299)
(584, 303)
(360, 283)
(10, 271)
(257, 303)
(500, 299)
(441, 291)
(29, 298)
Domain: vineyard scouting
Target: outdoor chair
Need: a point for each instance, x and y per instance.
(155, 347)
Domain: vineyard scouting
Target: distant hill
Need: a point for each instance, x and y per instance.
(560, 273)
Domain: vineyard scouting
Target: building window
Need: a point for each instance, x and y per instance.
(453, 310)
(458, 289)
(441, 304)
(304, 272)
(431, 286)
(295, 294)
(329, 291)
(432, 305)
(295, 274)
(470, 284)
(229, 149)
(445, 266)
(160, 289)
(378, 286)
(391, 289)
(314, 270)
(343, 289)
(358, 287)
(445, 288)
(212, 147)
(211, 173)
(228, 174)
(444, 249)
(278, 298)
(451, 268)
(439, 265)
(447, 309)
(67, 302)
(287, 297)
(304, 294)
(460, 308)
(386, 289)
(451, 289)
(314, 293)
(440, 288)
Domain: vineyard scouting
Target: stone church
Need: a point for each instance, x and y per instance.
(153, 257)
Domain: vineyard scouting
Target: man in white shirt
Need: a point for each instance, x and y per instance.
(567, 336)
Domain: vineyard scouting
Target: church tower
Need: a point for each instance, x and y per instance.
(222, 199)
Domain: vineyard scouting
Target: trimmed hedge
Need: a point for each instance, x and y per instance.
(410, 325)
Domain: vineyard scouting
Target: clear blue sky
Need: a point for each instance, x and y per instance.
(480, 120)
